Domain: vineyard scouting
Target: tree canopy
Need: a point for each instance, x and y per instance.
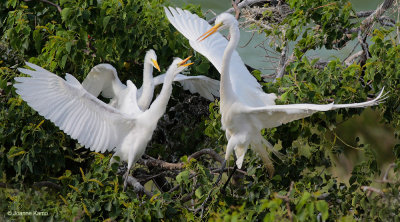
(331, 168)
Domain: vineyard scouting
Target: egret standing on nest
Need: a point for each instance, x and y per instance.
(103, 78)
(245, 108)
(96, 125)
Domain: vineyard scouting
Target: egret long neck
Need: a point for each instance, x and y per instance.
(157, 108)
(148, 87)
(226, 85)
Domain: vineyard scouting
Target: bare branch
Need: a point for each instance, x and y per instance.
(369, 190)
(151, 162)
(236, 8)
(287, 200)
(209, 152)
(283, 68)
(367, 23)
(137, 187)
(353, 57)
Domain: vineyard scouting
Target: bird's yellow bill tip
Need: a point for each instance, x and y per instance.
(156, 65)
(184, 61)
(211, 31)
(187, 64)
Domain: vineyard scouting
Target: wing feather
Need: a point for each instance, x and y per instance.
(78, 113)
(205, 86)
(276, 115)
(103, 78)
(248, 90)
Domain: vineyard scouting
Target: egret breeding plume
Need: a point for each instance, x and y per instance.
(95, 124)
(103, 78)
(245, 108)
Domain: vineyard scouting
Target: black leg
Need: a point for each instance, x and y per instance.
(229, 178)
(223, 165)
(126, 179)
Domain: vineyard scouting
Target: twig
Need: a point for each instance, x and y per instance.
(50, 3)
(369, 190)
(385, 176)
(209, 152)
(236, 8)
(287, 200)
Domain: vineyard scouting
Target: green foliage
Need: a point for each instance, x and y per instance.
(82, 185)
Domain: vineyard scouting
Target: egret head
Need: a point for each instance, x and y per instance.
(151, 58)
(223, 21)
(179, 65)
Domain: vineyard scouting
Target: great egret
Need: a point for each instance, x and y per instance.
(96, 125)
(103, 78)
(245, 108)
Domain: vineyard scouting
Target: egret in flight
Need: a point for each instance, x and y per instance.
(95, 124)
(245, 108)
(103, 78)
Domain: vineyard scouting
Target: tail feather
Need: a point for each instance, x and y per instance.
(264, 154)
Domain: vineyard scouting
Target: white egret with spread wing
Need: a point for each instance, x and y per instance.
(245, 108)
(103, 78)
(95, 124)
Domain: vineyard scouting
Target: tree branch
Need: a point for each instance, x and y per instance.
(287, 200)
(367, 23)
(59, 9)
(152, 162)
(137, 187)
(240, 6)
(369, 190)
(47, 184)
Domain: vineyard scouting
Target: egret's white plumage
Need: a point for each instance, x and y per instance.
(103, 78)
(245, 108)
(96, 125)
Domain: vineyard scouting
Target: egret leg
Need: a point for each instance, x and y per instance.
(229, 178)
(126, 179)
(221, 171)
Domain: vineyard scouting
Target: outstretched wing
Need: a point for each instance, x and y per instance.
(69, 106)
(247, 89)
(276, 115)
(205, 86)
(103, 79)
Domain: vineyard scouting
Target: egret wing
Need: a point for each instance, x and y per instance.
(69, 106)
(103, 78)
(247, 89)
(276, 115)
(205, 86)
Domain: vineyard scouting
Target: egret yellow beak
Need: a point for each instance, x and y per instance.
(211, 31)
(156, 65)
(184, 61)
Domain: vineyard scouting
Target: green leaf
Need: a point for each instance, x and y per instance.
(322, 206)
(68, 46)
(306, 195)
(63, 61)
(105, 21)
(65, 13)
